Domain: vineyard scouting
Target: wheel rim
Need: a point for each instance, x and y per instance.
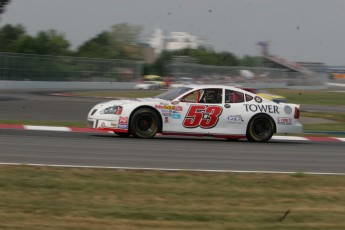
(261, 128)
(145, 123)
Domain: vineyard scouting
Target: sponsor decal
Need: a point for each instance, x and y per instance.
(166, 112)
(284, 121)
(236, 119)
(202, 116)
(262, 108)
(169, 107)
(123, 120)
(121, 126)
(258, 99)
(112, 124)
(102, 125)
(287, 109)
(166, 119)
(176, 116)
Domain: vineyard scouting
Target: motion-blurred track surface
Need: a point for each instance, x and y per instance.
(108, 150)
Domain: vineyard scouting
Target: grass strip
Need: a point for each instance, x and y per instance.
(68, 198)
(311, 97)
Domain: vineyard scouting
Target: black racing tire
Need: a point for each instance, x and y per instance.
(144, 123)
(260, 128)
(122, 134)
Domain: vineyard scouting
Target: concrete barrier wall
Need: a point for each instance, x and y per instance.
(57, 85)
(65, 85)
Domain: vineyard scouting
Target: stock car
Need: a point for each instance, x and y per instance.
(147, 85)
(204, 110)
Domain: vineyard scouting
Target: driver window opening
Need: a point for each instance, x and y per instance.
(211, 96)
(191, 97)
(205, 96)
(232, 96)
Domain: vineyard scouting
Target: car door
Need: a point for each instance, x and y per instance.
(235, 116)
(201, 112)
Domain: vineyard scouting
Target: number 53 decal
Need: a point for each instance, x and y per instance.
(202, 116)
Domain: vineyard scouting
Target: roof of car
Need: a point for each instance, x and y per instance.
(214, 86)
(232, 87)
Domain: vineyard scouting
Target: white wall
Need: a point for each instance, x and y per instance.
(65, 85)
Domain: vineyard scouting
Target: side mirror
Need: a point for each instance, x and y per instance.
(175, 102)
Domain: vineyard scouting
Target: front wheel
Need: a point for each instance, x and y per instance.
(144, 123)
(260, 128)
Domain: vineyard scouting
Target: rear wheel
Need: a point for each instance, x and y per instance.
(260, 128)
(144, 123)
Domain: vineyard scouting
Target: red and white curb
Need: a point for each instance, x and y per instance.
(88, 130)
(52, 128)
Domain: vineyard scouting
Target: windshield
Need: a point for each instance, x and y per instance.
(172, 94)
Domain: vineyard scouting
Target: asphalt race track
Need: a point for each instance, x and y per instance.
(85, 149)
(162, 152)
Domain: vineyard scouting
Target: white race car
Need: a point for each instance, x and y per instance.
(207, 110)
(147, 85)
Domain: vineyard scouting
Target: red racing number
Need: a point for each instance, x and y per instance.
(202, 116)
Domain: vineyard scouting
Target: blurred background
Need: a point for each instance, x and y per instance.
(108, 41)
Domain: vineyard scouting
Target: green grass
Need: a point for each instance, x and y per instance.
(324, 128)
(335, 116)
(338, 117)
(311, 97)
(66, 198)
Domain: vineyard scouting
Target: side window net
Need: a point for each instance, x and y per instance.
(211, 96)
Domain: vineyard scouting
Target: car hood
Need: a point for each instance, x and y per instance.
(124, 101)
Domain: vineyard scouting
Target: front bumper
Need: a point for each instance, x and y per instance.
(113, 125)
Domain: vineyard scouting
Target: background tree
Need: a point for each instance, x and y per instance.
(201, 55)
(14, 39)
(51, 43)
(10, 37)
(3, 4)
(251, 61)
(96, 47)
(159, 66)
(120, 42)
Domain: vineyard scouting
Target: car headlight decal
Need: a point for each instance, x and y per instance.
(93, 112)
(112, 110)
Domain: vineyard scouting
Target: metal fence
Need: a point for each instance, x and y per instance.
(31, 67)
(18, 67)
(181, 68)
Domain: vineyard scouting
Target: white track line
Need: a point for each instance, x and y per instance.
(165, 169)
(47, 128)
(290, 138)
